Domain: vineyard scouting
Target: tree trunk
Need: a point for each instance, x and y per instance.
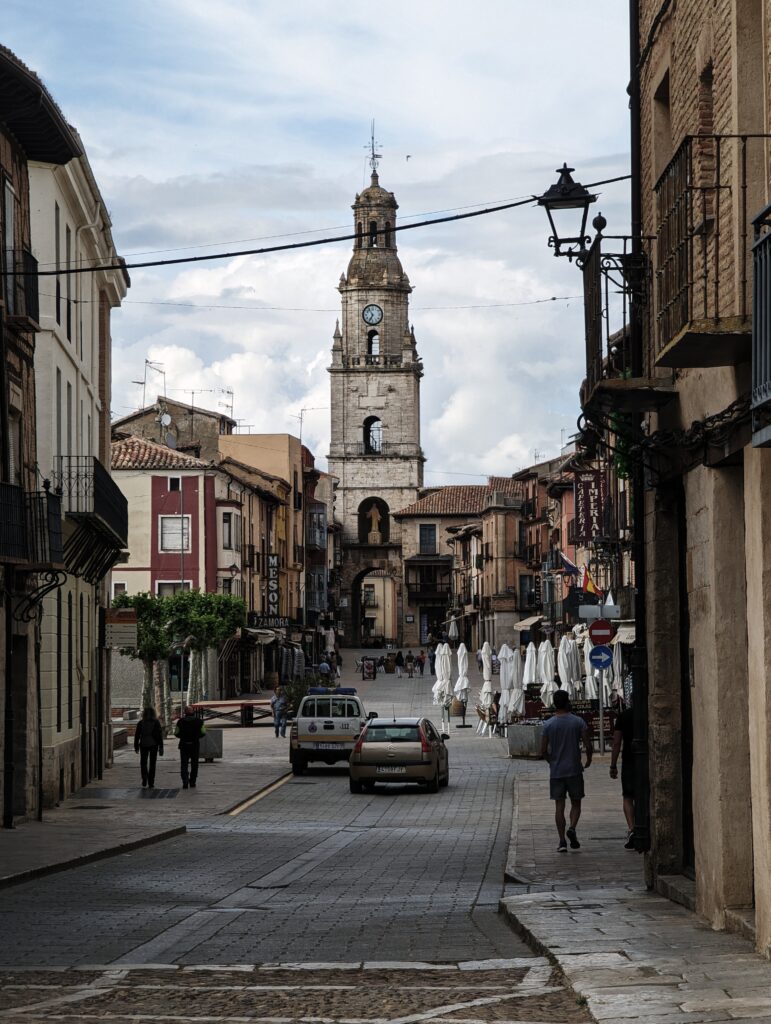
(192, 681)
(166, 709)
(147, 682)
(157, 696)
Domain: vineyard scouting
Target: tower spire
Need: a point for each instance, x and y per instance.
(374, 156)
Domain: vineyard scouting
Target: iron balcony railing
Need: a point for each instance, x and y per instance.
(89, 492)
(422, 588)
(386, 448)
(372, 360)
(761, 330)
(704, 200)
(30, 527)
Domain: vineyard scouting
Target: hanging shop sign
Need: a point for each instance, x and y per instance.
(590, 497)
(120, 627)
(273, 594)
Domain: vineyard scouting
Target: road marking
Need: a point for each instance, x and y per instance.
(259, 795)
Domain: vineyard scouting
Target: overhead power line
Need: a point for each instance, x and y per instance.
(288, 246)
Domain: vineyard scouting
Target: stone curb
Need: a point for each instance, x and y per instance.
(87, 858)
(543, 950)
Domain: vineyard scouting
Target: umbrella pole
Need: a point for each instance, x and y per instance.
(463, 717)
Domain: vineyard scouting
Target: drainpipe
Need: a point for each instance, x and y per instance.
(642, 829)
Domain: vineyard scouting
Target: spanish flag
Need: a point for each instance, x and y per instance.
(589, 586)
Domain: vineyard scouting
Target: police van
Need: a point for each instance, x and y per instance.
(326, 727)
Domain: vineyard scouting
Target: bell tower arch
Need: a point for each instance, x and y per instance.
(375, 375)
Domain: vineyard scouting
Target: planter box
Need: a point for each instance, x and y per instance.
(524, 740)
(211, 745)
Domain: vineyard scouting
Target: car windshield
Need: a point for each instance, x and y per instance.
(325, 707)
(392, 734)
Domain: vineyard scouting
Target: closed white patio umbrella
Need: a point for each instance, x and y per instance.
(618, 671)
(564, 666)
(546, 671)
(452, 629)
(517, 699)
(575, 667)
(441, 685)
(486, 695)
(506, 658)
(530, 671)
(462, 685)
(590, 685)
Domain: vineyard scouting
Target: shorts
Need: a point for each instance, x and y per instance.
(572, 786)
(627, 780)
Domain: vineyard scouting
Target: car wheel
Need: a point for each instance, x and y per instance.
(433, 786)
(354, 786)
(299, 764)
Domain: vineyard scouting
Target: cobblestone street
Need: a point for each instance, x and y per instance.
(364, 887)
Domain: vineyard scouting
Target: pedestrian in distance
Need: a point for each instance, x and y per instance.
(279, 705)
(409, 664)
(324, 671)
(399, 663)
(623, 736)
(432, 658)
(563, 735)
(189, 730)
(339, 664)
(421, 660)
(148, 743)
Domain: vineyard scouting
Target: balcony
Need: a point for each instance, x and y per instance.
(384, 448)
(703, 203)
(93, 502)
(374, 360)
(30, 528)
(315, 538)
(369, 602)
(761, 331)
(21, 292)
(423, 589)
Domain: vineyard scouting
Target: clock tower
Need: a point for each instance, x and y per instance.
(375, 448)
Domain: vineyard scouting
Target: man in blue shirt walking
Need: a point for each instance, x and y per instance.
(563, 735)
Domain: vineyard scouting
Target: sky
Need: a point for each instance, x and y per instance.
(217, 126)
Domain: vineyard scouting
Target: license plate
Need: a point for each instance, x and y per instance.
(328, 746)
(396, 769)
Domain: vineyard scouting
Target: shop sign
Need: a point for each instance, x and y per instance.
(590, 497)
(255, 621)
(120, 627)
(274, 596)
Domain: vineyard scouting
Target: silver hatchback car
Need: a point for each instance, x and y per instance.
(399, 750)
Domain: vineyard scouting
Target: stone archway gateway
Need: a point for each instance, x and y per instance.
(372, 591)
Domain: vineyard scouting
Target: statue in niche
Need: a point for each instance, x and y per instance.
(374, 536)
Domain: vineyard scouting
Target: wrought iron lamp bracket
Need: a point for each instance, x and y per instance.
(28, 607)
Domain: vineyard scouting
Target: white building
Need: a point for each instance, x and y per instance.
(70, 229)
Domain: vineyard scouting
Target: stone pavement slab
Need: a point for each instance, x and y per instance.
(631, 954)
(114, 815)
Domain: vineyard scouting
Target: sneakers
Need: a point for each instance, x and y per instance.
(629, 844)
(573, 839)
(562, 848)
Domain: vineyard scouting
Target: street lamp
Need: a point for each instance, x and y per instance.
(565, 202)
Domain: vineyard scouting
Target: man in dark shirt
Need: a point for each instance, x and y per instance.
(623, 735)
(189, 730)
(563, 735)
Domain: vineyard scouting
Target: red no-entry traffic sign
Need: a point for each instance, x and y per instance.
(601, 631)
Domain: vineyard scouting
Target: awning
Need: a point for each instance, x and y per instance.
(528, 623)
(624, 635)
(260, 636)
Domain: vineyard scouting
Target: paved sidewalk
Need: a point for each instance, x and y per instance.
(633, 955)
(114, 815)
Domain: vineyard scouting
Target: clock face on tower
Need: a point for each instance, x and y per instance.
(372, 314)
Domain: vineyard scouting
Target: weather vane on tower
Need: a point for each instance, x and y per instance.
(374, 156)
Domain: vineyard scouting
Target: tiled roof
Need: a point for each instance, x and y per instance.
(463, 499)
(139, 453)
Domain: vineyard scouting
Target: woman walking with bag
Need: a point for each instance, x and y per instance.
(148, 743)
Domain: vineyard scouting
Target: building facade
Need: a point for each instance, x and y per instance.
(70, 227)
(375, 372)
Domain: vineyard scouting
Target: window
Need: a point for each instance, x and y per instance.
(58, 260)
(373, 234)
(360, 236)
(174, 533)
(388, 234)
(373, 343)
(373, 436)
(662, 126)
(59, 638)
(227, 585)
(168, 588)
(70, 659)
(227, 529)
(58, 413)
(175, 483)
(427, 539)
(9, 213)
(68, 279)
(118, 587)
(69, 418)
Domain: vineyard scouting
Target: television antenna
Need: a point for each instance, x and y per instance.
(158, 368)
